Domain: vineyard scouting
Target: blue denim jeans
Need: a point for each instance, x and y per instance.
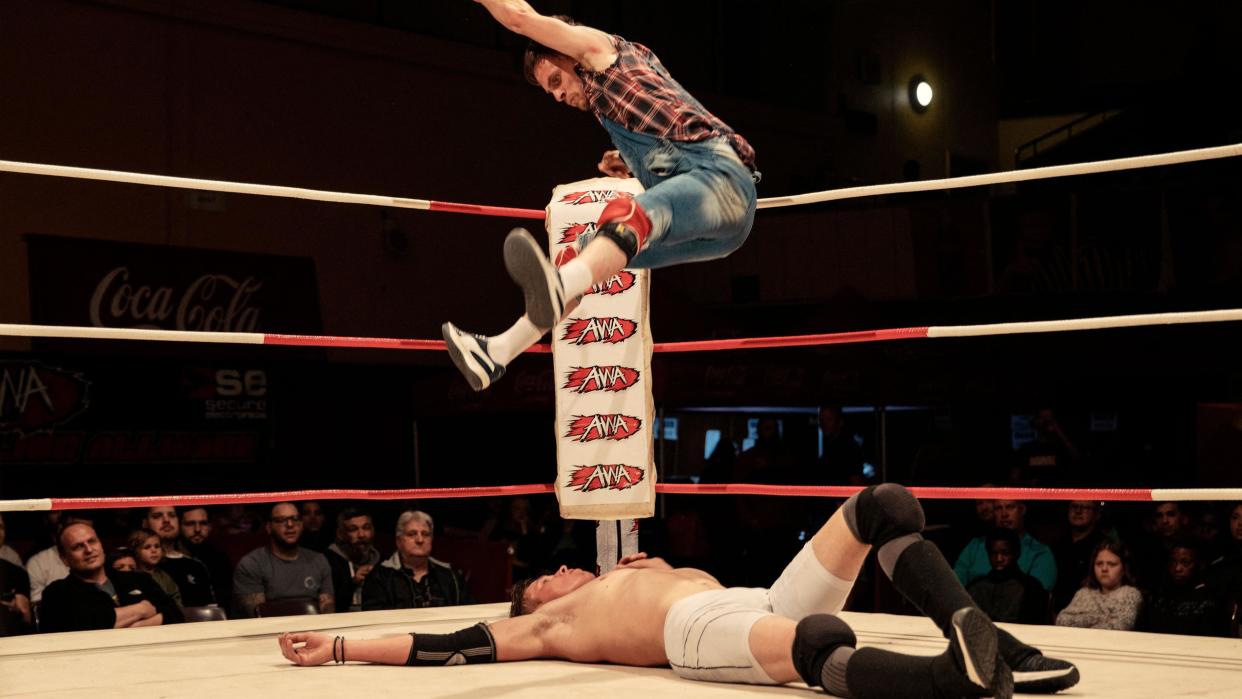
(700, 197)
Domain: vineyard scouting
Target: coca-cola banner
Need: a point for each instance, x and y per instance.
(77, 281)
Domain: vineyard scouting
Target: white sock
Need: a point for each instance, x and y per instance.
(512, 342)
(576, 278)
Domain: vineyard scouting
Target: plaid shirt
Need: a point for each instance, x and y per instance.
(638, 93)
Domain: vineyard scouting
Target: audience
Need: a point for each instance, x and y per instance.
(1073, 552)
(314, 535)
(94, 597)
(411, 577)
(46, 566)
(282, 569)
(1183, 604)
(1225, 573)
(1107, 598)
(1048, 459)
(190, 575)
(123, 559)
(842, 459)
(352, 557)
(195, 530)
(1006, 593)
(1035, 559)
(15, 609)
(6, 552)
(1151, 550)
(148, 551)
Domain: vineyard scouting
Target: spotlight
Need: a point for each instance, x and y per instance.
(920, 94)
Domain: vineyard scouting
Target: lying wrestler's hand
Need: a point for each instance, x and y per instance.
(612, 165)
(317, 648)
(626, 560)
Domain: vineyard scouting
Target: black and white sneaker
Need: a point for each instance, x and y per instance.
(469, 354)
(974, 649)
(541, 284)
(1039, 674)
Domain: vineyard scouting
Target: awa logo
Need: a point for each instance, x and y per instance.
(571, 233)
(35, 396)
(616, 284)
(585, 331)
(605, 477)
(594, 196)
(588, 428)
(588, 379)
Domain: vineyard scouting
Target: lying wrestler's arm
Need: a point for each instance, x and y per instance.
(515, 638)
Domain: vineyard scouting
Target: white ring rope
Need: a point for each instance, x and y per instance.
(1037, 173)
(1098, 166)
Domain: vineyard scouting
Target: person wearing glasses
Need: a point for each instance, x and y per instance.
(282, 569)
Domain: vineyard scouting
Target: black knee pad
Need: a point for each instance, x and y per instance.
(624, 236)
(814, 640)
(882, 513)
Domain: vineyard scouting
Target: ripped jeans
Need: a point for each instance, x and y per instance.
(700, 197)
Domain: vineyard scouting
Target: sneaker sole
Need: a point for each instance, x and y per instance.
(1045, 681)
(530, 270)
(976, 639)
(469, 366)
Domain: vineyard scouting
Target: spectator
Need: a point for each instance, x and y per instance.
(1151, 553)
(148, 551)
(15, 609)
(1074, 551)
(1006, 593)
(411, 577)
(123, 559)
(46, 566)
(6, 552)
(195, 530)
(352, 557)
(1108, 598)
(1183, 604)
(314, 536)
(1224, 575)
(517, 527)
(1049, 458)
(190, 574)
(94, 597)
(842, 459)
(282, 569)
(1035, 559)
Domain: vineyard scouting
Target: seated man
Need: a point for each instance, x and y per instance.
(411, 577)
(15, 610)
(282, 569)
(684, 618)
(95, 597)
(351, 557)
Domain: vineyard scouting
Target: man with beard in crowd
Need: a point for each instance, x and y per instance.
(282, 569)
(190, 574)
(352, 557)
(195, 531)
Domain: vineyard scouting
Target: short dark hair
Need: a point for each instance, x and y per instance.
(1002, 534)
(517, 604)
(118, 554)
(350, 513)
(536, 52)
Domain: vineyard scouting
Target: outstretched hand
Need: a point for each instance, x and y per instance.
(612, 165)
(316, 648)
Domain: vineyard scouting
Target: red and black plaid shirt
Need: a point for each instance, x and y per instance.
(638, 93)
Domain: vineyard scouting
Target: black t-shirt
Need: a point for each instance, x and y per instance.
(13, 580)
(192, 579)
(72, 604)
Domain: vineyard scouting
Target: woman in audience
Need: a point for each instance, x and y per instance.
(1107, 598)
(149, 551)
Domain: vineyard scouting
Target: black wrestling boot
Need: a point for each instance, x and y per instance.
(970, 667)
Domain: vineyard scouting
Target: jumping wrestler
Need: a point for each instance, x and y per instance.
(684, 618)
(698, 173)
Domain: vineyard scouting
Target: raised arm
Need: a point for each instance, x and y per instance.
(589, 47)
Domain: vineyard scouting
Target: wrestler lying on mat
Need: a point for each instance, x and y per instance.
(699, 176)
(684, 618)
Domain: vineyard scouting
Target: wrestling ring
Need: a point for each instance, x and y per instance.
(240, 657)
